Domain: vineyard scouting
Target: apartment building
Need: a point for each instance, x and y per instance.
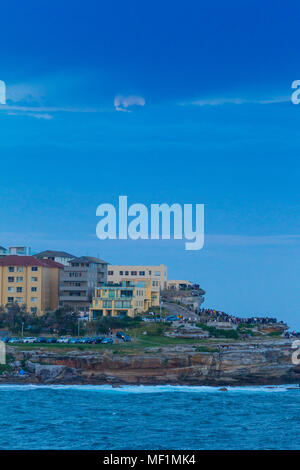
(15, 250)
(156, 274)
(127, 298)
(78, 282)
(28, 281)
(59, 256)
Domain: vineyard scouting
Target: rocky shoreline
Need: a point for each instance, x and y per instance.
(266, 362)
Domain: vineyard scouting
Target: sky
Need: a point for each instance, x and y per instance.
(175, 102)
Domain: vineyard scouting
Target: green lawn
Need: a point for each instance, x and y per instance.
(154, 337)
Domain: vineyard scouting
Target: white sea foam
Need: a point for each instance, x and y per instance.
(150, 388)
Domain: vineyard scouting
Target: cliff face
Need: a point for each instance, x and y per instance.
(269, 362)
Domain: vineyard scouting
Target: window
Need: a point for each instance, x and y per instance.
(11, 269)
(34, 279)
(19, 279)
(121, 273)
(142, 273)
(110, 273)
(11, 279)
(34, 299)
(157, 273)
(33, 289)
(19, 300)
(34, 268)
(107, 303)
(122, 304)
(75, 274)
(150, 272)
(126, 273)
(19, 269)
(111, 294)
(133, 273)
(10, 299)
(33, 310)
(10, 289)
(19, 289)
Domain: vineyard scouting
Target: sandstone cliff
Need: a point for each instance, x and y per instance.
(267, 362)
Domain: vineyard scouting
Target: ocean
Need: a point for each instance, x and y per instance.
(149, 417)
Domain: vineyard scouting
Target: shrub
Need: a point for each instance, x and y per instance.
(219, 333)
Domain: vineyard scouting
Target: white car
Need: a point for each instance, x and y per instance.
(63, 340)
(29, 340)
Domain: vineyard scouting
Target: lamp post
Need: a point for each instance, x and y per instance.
(22, 329)
(78, 328)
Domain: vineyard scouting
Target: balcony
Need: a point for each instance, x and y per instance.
(74, 298)
(64, 287)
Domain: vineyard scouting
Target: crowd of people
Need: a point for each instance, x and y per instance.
(218, 316)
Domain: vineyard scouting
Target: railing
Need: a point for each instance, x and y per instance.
(73, 298)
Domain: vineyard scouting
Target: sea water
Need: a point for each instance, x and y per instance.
(149, 417)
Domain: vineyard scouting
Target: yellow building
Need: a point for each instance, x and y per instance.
(125, 298)
(28, 281)
(156, 274)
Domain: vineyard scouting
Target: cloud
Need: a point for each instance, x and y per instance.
(44, 112)
(237, 101)
(34, 115)
(122, 103)
(28, 99)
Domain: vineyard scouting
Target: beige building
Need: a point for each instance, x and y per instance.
(126, 298)
(28, 281)
(157, 275)
(116, 273)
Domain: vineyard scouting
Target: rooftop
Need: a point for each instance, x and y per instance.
(88, 259)
(15, 260)
(58, 254)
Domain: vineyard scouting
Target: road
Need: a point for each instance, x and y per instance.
(175, 309)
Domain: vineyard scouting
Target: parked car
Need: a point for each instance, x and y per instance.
(62, 339)
(29, 340)
(98, 339)
(126, 338)
(107, 341)
(123, 336)
(51, 340)
(74, 340)
(172, 318)
(41, 339)
(14, 340)
(86, 340)
(120, 334)
(5, 339)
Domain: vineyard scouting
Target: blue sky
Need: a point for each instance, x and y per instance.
(163, 102)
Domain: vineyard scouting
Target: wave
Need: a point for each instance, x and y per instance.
(152, 388)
